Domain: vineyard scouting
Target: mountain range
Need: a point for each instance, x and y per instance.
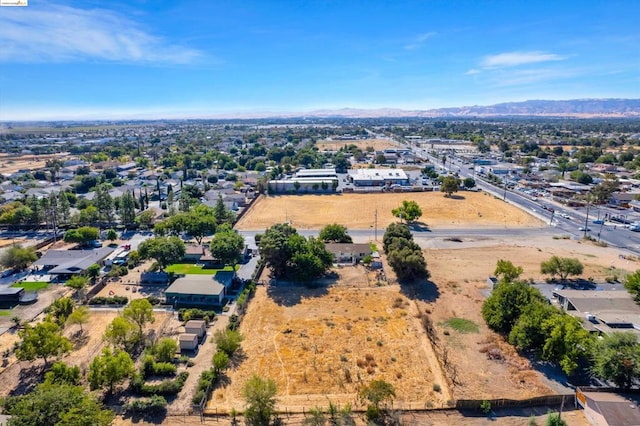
(579, 108)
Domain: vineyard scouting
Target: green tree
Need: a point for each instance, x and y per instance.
(274, 247)
(127, 209)
(109, 369)
(567, 341)
(93, 271)
(507, 302)
(145, 219)
(226, 246)
(139, 312)
(395, 230)
(52, 404)
(77, 282)
(507, 271)
(409, 211)
(260, 399)
(41, 341)
(616, 358)
(221, 213)
(121, 333)
(220, 362)
(527, 332)
(408, 264)
(18, 257)
(112, 235)
(165, 349)
(562, 267)
(450, 184)
(82, 235)
(104, 203)
(632, 284)
(469, 183)
(227, 341)
(165, 250)
(378, 392)
(60, 373)
(61, 309)
(554, 420)
(79, 316)
(335, 233)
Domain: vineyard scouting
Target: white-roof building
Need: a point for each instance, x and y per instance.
(378, 177)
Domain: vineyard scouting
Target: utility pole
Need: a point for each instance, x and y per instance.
(375, 225)
(586, 219)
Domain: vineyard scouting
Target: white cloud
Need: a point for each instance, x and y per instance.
(64, 34)
(514, 59)
(472, 71)
(419, 40)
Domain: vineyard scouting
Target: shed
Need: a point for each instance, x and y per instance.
(188, 342)
(197, 327)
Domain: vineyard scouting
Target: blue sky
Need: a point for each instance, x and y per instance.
(147, 58)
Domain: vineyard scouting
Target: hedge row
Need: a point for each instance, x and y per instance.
(152, 368)
(154, 405)
(166, 387)
(206, 380)
(186, 314)
(114, 300)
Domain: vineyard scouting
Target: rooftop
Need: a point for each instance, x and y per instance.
(72, 261)
(199, 284)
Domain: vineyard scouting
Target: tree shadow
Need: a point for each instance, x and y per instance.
(456, 197)
(30, 377)
(424, 290)
(79, 339)
(419, 227)
(291, 293)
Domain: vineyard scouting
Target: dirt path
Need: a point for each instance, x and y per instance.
(202, 361)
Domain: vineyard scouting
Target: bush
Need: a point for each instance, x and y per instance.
(154, 405)
(153, 300)
(114, 300)
(197, 398)
(186, 314)
(166, 387)
(152, 368)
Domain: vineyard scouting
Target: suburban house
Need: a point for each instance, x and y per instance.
(193, 252)
(605, 408)
(199, 290)
(604, 311)
(72, 262)
(348, 252)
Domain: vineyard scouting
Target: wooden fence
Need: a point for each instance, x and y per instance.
(550, 400)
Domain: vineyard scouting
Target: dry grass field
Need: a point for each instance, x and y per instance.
(460, 275)
(376, 144)
(325, 343)
(11, 163)
(356, 211)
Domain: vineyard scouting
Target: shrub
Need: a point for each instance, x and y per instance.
(153, 300)
(152, 368)
(186, 314)
(166, 387)
(154, 405)
(197, 398)
(114, 300)
(485, 407)
(436, 387)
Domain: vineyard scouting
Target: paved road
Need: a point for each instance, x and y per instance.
(609, 233)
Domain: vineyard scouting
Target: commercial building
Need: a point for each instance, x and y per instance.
(378, 177)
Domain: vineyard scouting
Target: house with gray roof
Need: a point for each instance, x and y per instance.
(72, 262)
(202, 291)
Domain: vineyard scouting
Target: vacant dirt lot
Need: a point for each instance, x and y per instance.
(460, 275)
(376, 144)
(325, 343)
(11, 164)
(356, 211)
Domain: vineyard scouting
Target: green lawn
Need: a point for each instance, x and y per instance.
(31, 285)
(462, 325)
(4, 313)
(191, 269)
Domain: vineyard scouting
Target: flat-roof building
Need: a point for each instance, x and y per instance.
(378, 177)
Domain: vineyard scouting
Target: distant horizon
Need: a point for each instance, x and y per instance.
(326, 113)
(63, 59)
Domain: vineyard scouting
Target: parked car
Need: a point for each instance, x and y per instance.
(582, 228)
(599, 222)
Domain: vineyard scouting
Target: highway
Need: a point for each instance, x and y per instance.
(615, 235)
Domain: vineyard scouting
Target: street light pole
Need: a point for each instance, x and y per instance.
(586, 219)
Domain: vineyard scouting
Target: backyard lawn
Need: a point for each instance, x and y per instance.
(31, 285)
(4, 313)
(190, 268)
